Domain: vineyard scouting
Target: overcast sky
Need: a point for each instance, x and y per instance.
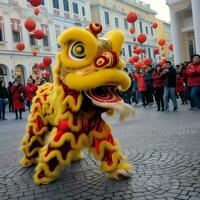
(161, 8)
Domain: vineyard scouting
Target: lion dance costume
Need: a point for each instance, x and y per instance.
(66, 115)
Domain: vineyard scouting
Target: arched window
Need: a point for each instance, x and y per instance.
(2, 70)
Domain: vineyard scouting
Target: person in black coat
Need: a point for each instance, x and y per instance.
(169, 77)
(10, 98)
(3, 100)
(149, 82)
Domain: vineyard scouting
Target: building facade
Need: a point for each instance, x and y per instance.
(112, 15)
(185, 28)
(56, 16)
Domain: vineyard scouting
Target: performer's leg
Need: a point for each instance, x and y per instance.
(34, 139)
(54, 156)
(107, 150)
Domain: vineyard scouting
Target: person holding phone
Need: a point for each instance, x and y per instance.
(18, 99)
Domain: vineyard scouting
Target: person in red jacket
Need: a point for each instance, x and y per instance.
(30, 92)
(193, 81)
(180, 87)
(18, 98)
(158, 85)
(142, 86)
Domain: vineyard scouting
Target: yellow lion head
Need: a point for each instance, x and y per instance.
(92, 64)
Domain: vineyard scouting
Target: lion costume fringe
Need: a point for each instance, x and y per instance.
(66, 115)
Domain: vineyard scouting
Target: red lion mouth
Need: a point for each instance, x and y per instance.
(104, 94)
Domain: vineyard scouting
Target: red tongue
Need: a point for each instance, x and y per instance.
(104, 94)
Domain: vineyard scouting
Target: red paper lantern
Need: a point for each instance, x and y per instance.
(39, 34)
(20, 46)
(132, 30)
(143, 50)
(134, 39)
(137, 51)
(35, 3)
(135, 58)
(36, 11)
(154, 25)
(156, 51)
(147, 61)
(30, 25)
(161, 42)
(131, 60)
(131, 17)
(139, 64)
(171, 48)
(47, 74)
(34, 53)
(42, 66)
(135, 47)
(142, 38)
(47, 61)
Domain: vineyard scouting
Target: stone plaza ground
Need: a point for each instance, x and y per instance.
(163, 147)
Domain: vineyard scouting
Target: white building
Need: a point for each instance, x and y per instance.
(56, 15)
(185, 28)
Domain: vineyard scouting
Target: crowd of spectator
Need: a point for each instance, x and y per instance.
(164, 83)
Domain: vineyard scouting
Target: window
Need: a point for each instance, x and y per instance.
(56, 4)
(125, 24)
(141, 29)
(66, 5)
(106, 15)
(32, 40)
(123, 52)
(46, 35)
(167, 28)
(16, 30)
(83, 11)
(58, 32)
(1, 30)
(16, 36)
(129, 50)
(149, 51)
(151, 31)
(42, 2)
(46, 41)
(116, 22)
(147, 31)
(75, 8)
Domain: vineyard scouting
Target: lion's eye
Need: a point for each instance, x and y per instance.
(76, 50)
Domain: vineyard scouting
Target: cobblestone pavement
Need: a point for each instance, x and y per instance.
(163, 147)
